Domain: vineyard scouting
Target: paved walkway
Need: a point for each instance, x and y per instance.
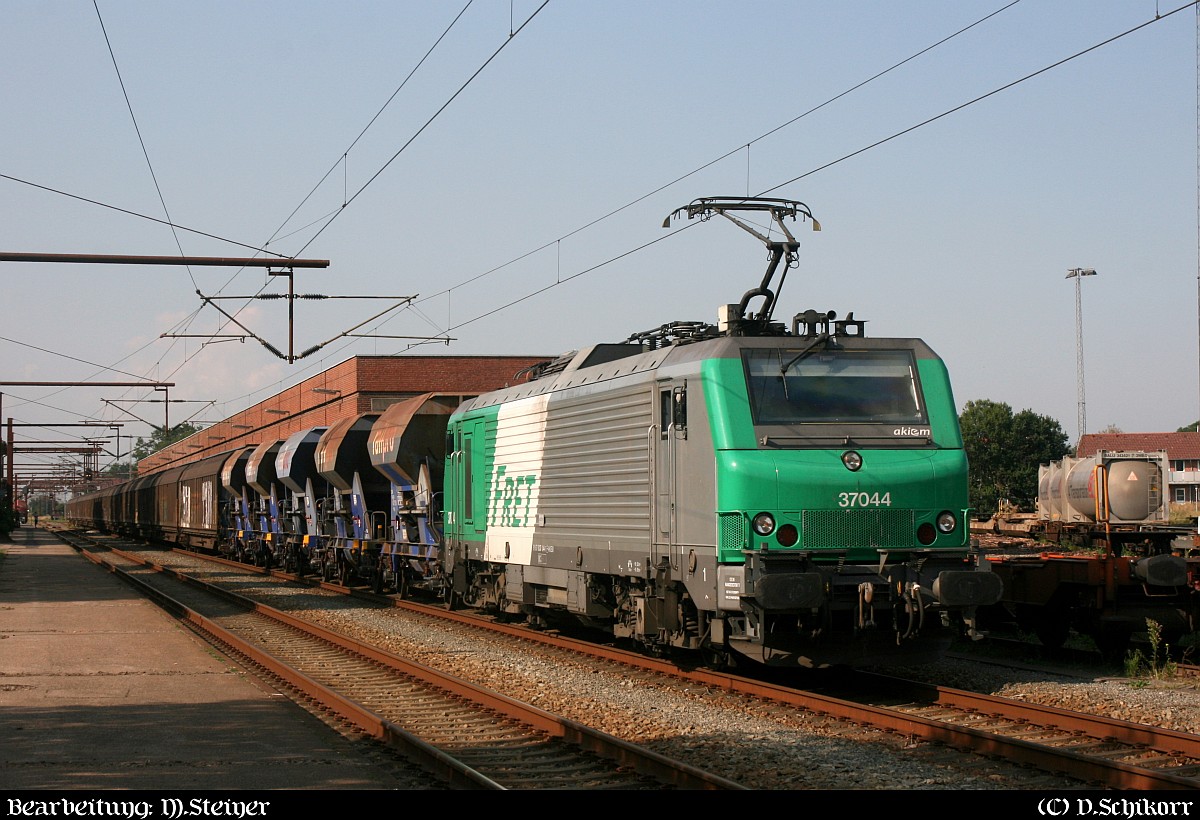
(100, 689)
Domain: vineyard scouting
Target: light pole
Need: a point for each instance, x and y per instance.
(1077, 274)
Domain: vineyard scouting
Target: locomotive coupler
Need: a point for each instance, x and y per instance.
(866, 613)
(909, 612)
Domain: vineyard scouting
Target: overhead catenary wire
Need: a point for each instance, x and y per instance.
(450, 327)
(345, 154)
(349, 199)
(169, 221)
(141, 140)
(581, 228)
(428, 122)
(744, 146)
(808, 173)
(827, 165)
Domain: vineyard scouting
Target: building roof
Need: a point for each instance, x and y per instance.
(1177, 445)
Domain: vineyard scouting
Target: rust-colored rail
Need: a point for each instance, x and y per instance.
(1084, 747)
(506, 743)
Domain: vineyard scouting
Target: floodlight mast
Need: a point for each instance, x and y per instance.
(779, 251)
(1081, 396)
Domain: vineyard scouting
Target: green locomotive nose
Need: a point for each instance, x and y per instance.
(809, 500)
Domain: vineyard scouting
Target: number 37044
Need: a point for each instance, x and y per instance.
(864, 499)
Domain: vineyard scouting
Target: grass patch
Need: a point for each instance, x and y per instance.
(1158, 664)
(1183, 514)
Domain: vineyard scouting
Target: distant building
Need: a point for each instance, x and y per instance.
(1182, 449)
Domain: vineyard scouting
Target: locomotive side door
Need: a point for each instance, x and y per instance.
(467, 519)
(672, 436)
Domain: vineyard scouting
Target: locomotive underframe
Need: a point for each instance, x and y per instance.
(777, 608)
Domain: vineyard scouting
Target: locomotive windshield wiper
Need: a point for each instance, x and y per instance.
(821, 337)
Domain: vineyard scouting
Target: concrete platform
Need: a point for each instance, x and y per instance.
(100, 689)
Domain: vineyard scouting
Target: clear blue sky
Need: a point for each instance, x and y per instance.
(493, 175)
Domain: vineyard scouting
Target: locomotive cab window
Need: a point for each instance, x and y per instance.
(673, 412)
(833, 386)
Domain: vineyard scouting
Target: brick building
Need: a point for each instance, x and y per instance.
(361, 384)
(1182, 449)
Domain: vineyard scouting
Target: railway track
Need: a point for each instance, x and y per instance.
(1092, 751)
(467, 736)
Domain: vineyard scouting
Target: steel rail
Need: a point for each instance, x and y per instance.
(625, 754)
(1092, 769)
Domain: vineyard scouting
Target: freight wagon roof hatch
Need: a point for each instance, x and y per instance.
(342, 452)
(408, 433)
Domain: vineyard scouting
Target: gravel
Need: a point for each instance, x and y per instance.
(758, 744)
(753, 742)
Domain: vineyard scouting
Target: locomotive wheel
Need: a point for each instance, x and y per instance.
(377, 581)
(347, 574)
(328, 569)
(401, 583)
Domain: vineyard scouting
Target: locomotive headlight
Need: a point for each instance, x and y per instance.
(852, 460)
(764, 523)
(946, 522)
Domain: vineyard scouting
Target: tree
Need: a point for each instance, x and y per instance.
(123, 470)
(1004, 451)
(1191, 428)
(160, 438)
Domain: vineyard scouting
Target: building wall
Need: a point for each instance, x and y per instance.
(1182, 449)
(358, 385)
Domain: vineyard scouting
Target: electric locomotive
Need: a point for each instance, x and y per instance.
(795, 496)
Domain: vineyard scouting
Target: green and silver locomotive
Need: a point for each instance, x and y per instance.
(792, 495)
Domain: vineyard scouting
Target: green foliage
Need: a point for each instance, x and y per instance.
(1004, 451)
(161, 438)
(123, 470)
(1191, 428)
